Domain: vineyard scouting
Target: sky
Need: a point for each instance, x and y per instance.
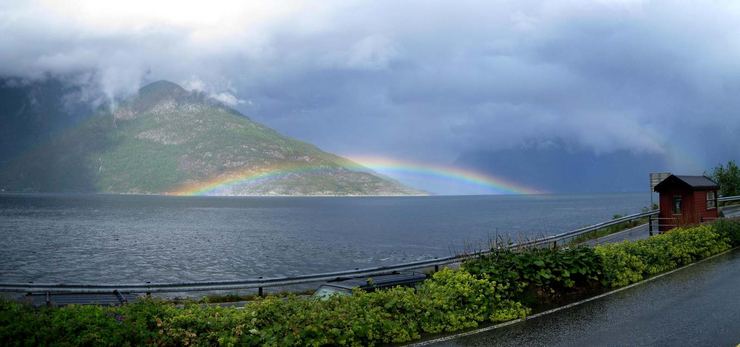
(416, 80)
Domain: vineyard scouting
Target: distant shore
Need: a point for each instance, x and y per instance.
(219, 196)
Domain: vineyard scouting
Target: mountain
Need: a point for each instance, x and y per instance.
(166, 139)
(560, 169)
(31, 112)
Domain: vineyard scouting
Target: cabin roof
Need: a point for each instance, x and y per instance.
(693, 182)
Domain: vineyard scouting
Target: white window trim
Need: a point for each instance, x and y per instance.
(713, 200)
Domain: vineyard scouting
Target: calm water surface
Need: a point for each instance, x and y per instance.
(111, 238)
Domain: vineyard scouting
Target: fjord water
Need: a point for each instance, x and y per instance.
(126, 238)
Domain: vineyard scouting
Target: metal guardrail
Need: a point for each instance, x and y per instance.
(578, 232)
(728, 198)
(260, 283)
(221, 285)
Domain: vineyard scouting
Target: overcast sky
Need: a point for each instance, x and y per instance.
(422, 80)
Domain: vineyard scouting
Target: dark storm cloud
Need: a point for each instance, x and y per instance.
(424, 79)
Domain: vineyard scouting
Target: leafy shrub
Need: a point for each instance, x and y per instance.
(455, 300)
(489, 290)
(629, 262)
(20, 326)
(449, 301)
(546, 271)
(78, 325)
(729, 228)
(620, 266)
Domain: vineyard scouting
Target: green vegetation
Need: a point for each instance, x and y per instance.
(629, 262)
(235, 297)
(729, 229)
(488, 289)
(539, 275)
(450, 301)
(728, 178)
(166, 137)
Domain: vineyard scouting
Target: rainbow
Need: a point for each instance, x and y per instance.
(488, 182)
(383, 165)
(250, 176)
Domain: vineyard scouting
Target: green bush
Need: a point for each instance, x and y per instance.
(455, 300)
(729, 228)
(488, 289)
(629, 262)
(449, 301)
(21, 325)
(544, 271)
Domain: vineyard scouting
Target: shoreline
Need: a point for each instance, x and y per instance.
(217, 196)
(11, 193)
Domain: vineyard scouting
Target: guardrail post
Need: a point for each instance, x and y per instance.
(148, 290)
(120, 297)
(260, 291)
(650, 225)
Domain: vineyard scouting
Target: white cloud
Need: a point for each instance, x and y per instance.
(227, 98)
(424, 77)
(194, 84)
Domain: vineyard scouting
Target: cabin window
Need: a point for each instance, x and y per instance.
(711, 200)
(677, 204)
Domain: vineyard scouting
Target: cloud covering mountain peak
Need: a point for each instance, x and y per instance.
(418, 79)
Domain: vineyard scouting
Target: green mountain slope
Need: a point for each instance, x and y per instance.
(169, 140)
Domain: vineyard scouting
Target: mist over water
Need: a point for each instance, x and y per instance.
(114, 239)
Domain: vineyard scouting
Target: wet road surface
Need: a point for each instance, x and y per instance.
(637, 233)
(731, 211)
(696, 306)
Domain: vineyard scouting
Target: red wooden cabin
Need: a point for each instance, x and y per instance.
(686, 200)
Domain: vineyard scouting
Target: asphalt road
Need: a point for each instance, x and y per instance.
(637, 233)
(731, 211)
(695, 306)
